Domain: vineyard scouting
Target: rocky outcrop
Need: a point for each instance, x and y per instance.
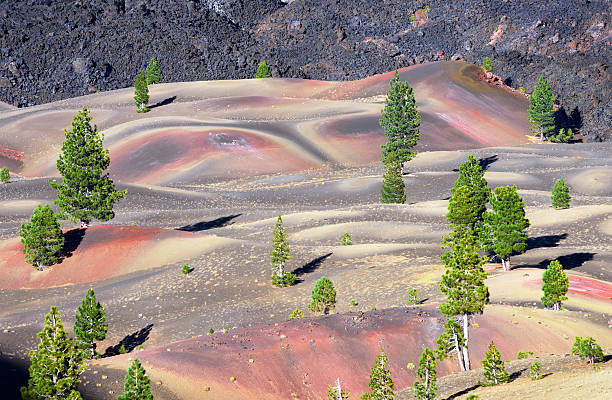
(51, 50)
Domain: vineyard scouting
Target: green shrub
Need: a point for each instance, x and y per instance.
(524, 354)
(486, 64)
(263, 71)
(353, 303)
(122, 349)
(5, 175)
(347, 240)
(560, 195)
(296, 314)
(323, 296)
(42, 238)
(413, 297)
(587, 349)
(186, 269)
(534, 371)
(562, 136)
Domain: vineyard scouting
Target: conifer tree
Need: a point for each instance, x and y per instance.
(451, 340)
(279, 255)
(494, 369)
(381, 382)
(136, 385)
(541, 113)
(90, 324)
(560, 195)
(562, 136)
(555, 285)
(85, 192)
(56, 366)
(42, 238)
(426, 389)
(141, 93)
(486, 64)
(587, 349)
(400, 121)
(466, 208)
(503, 231)
(5, 175)
(153, 72)
(335, 392)
(392, 190)
(323, 296)
(263, 70)
(463, 282)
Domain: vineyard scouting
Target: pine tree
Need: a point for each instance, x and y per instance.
(562, 136)
(486, 64)
(560, 195)
(335, 392)
(42, 238)
(90, 324)
(400, 121)
(426, 389)
(263, 71)
(279, 255)
(5, 175)
(555, 285)
(347, 239)
(323, 296)
(141, 93)
(153, 72)
(541, 111)
(463, 283)
(85, 192)
(136, 385)
(56, 366)
(466, 208)
(451, 340)
(587, 349)
(381, 382)
(392, 190)
(503, 230)
(494, 369)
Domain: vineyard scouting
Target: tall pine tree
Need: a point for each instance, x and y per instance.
(381, 382)
(263, 71)
(400, 121)
(503, 231)
(555, 284)
(42, 237)
(560, 195)
(153, 72)
(466, 208)
(136, 385)
(85, 192)
(90, 324)
(426, 389)
(279, 255)
(56, 366)
(141, 93)
(494, 369)
(463, 283)
(541, 113)
(392, 190)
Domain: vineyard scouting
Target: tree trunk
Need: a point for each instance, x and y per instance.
(459, 354)
(339, 389)
(84, 224)
(466, 356)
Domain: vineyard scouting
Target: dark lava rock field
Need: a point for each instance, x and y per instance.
(56, 49)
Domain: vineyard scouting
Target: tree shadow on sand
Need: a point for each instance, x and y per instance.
(72, 240)
(310, 267)
(569, 261)
(545, 241)
(205, 225)
(164, 102)
(130, 342)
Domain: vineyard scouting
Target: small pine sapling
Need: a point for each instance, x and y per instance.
(587, 349)
(335, 392)
(534, 371)
(381, 380)
(426, 388)
(413, 297)
(521, 355)
(486, 64)
(42, 238)
(279, 255)
(353, 303)
(555, 284)
(122, 349)
(153, 72)
(347, 239)
(186, 269)
(323, 296)
(141, 93)
(296, 314)
(90, 324)
(5, 175)
(563, 136)
(392, 190)
(136, 385)
(263, 71)
(560, 195)
(494, 369)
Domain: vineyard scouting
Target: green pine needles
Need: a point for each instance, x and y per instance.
(141, 93)
(562, 136)
(347, 239)
(426, 388)
(153, 72)
(555, 284)
(5, 175)
(503, 232)
(587, 349)
(137, 385)
(90, 324)
(494, 369)
(263, 71)
(560, 195)
(534, 371)
(56, 366)
(541, 113)
(381, 382)
(335, 392)
(323, 296)
(392, 190)
(451, 340)
(42, 238)
(466, 206)
(486, 64)
(279, 255)
(400, 121)
(85, 191)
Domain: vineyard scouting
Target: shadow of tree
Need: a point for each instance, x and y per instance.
(205, 225)
(72, 240)
(130, 342)
(569, 261)
(545, 241)
(486, 161)
(13, 375)
(164, 102)
(311, 266)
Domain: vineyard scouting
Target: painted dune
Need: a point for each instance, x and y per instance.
(197, 131)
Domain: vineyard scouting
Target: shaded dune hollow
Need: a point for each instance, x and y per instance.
(198, 131)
